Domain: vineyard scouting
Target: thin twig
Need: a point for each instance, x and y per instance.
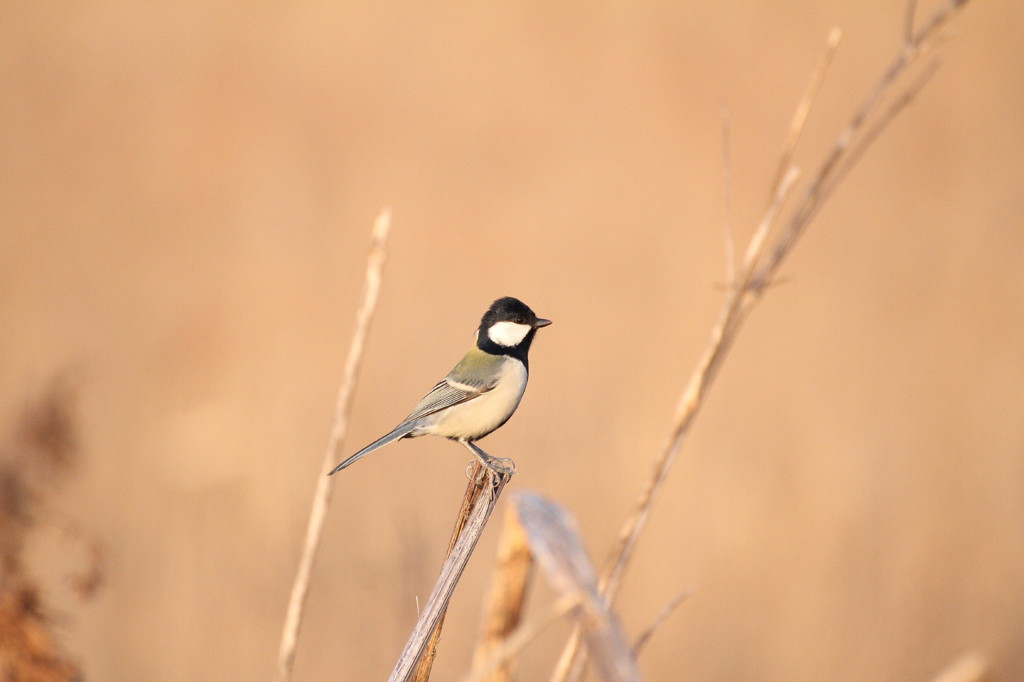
(754, 277)
(322, 496)
(665, 612)
(868, 137)
(908, 21)
(486, 496)
(803, 109)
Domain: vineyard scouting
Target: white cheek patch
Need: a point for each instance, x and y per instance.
(507, 333)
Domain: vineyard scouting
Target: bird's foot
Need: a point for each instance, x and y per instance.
(499, 465)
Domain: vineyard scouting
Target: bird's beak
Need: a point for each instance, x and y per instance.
(541, 322)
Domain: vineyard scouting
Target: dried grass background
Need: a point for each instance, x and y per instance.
(185, 198)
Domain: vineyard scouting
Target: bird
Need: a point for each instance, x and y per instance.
(482, 390)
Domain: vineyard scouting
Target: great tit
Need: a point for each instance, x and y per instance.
(481, 392)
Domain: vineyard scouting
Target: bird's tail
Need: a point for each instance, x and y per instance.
(400, 431)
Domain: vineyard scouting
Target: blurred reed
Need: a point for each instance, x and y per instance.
(322, 495)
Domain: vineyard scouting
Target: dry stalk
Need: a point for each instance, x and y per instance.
(504, 609)
(761, 264)
(862, 130)
(473, 490)
(803, 109)
(665, 612)
(481, 497)
(322, 496)
(555, 542)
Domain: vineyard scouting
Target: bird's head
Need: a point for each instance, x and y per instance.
(509, 323)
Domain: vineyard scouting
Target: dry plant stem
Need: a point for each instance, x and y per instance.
(666, 611)
(322, 496)
(803, 108)
(504, 609)
(842, 157)
(760, 266)
(908, 21)
(473, 489)
(737, 304)
(486, 492)
(555, 542)
(868, 136)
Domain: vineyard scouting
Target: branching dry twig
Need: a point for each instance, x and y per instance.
(760, 266)
(322, 496)
(487, 486)
(862, 127)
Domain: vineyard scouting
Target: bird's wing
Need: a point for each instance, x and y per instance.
(475, 375)
(446, 393)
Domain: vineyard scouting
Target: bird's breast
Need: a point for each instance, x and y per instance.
(478, 417)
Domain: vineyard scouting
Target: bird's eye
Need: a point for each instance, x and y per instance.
(518, 319)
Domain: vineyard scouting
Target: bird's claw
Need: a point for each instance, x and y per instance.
(475, 473)
(501, 465)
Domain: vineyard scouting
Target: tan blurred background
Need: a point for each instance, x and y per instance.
(186, 200)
